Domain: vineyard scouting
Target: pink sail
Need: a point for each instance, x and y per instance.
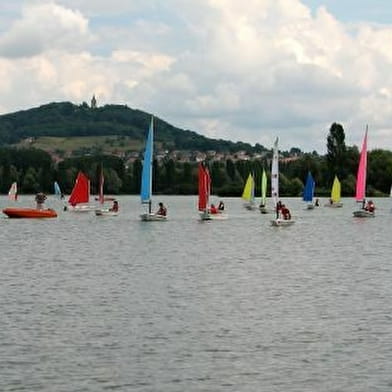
(361, 174)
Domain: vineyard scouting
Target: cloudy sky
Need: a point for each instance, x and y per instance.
(240, 70)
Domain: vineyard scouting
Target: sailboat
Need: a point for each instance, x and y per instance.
(57, 190)
(25, 212)
(80, 195)
(360, 194)
(207, 211)
(248, 193)
(278, 221)
(146, 185)
(13, 192)
(104, 211)
(334, 200)
(263, 201)
(309, 192)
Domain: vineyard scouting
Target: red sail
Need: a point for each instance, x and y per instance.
(81, 190)
(204, 187)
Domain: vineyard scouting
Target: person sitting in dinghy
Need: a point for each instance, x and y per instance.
(370, 206)
(162, 209)
(213, 209)
(285, 212)
(114, 207)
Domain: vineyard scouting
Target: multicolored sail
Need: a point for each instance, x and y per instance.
(360, 193)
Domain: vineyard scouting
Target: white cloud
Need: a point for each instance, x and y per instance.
(214, 66)
(43, 27)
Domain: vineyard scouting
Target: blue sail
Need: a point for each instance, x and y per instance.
(57, 190)
(145, 192)
(309, 188)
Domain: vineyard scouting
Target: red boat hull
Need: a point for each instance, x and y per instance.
(29, 213)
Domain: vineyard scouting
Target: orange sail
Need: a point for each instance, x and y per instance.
(81, 190)
(204, 187)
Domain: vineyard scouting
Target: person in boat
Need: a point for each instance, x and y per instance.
(316, 202)
(162, 209)
(285, 213)
(370, 206)
(213, 209)
(40, 200)
(221, 206)
(114, 206)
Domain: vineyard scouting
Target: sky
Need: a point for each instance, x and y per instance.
(242, 71)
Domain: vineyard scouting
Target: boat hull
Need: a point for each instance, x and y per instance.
(363, 214)
(310, 206)
(80, 208)
(29, 213)
(334, 205)
(151, 217)
(206, 216)
(282, 222)
(105, 212)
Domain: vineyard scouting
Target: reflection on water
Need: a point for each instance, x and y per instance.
(101, 303)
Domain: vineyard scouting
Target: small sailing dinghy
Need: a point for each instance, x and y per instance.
(334, 200)
(248, 193)
(146, 185)
(105, 211)
(309, 192)
(80, 196)
(367, 209)
(207, 211)
(263, 201)
(282, 218)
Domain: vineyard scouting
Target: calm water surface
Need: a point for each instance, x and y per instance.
(111, 303)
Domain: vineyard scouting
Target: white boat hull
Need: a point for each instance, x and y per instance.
(105, 212)
(282, 222)
(334, 205)
(250, 206)
(310, 206)
(206, 216)
(80, 208)
(151, 217)
(264, 210)
(363, 214)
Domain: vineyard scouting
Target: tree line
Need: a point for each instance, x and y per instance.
(35, 171)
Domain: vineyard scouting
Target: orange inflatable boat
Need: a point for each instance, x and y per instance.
(12, 212)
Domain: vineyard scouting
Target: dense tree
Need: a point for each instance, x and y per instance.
(336, 151)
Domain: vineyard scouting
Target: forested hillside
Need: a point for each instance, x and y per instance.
(68, 120)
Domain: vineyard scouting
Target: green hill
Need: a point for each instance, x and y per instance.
(65, 126)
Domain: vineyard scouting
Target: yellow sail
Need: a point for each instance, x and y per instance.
(249, 190)
(335, 193)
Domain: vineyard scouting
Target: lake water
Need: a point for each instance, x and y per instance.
(114, 304)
